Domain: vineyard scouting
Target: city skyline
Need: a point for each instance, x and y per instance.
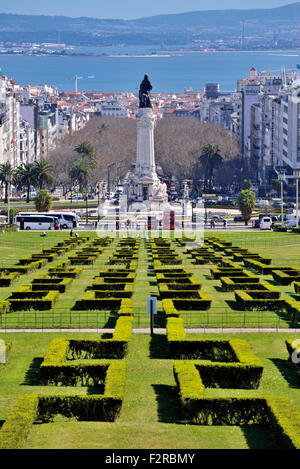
(132, 9)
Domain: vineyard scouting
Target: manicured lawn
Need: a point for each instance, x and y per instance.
(283, 248)
(150, 416)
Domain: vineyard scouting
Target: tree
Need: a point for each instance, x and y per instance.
(247, 184)
(86, 150)
(26, 177)
(79, 172)
(246, 203)
(101, 129)
(276, 185)
(6, 176)
(210, 159)
(43, 201)
(43, 173)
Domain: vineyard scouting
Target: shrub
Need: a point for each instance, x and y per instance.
(16, 428)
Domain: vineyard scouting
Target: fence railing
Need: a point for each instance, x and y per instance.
(223, 318)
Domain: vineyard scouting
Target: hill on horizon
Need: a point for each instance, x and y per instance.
(153, 29)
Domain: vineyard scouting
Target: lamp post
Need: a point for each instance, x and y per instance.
(8, 181)
(296, 174)
(281, 178)
(98, 211)
(108, 177)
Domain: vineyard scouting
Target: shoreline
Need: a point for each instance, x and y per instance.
(166, 54)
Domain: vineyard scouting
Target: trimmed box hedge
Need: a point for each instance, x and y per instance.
(275, 412)
(240, 283)
(25, 299)
(172, 307)
(43, 408)
(7, 279)
(286, 276)
(123, 306)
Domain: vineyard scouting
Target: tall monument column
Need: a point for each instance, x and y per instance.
(145, 161)
(144, 185)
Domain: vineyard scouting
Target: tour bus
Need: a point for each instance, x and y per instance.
(65, 219)
(37, 222)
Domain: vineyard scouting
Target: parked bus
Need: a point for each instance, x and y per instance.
(37, 222)
(65, 219)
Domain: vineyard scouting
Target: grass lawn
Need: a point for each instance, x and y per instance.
(283, 248)
(150, 416)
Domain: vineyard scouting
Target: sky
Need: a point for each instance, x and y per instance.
(128, 9)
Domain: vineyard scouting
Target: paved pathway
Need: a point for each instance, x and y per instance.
(216, 330)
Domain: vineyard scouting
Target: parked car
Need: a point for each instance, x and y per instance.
(238, 219)
(217, 218)
(76, 197)
(291, 223)
(288, 205)
(266, 223)
(208, 203)
(226, 202)
(261, 203)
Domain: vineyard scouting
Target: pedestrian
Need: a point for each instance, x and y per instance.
(71, 233)
(76, 234)
(43, 235)
(211, 223)
(225, 224)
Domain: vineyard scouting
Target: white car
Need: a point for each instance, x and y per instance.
(266, 223)
(291, 223)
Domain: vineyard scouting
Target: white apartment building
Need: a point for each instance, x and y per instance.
(10, 123)
(114, 108)
(290, 125)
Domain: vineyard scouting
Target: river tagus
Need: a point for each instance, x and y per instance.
(121, 69)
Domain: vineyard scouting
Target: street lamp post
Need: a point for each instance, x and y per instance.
(296, 173)
(281, 178)
(108, 177)
(8, 181)
(98, 187)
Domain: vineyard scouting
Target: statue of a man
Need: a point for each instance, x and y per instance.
(144, 93)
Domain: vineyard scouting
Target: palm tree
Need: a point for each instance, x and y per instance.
(246, 203)
(6, 176)
(86, 150)
(43, 201)
(43, 173)
(101, 129)
(80, 171)
(26, 177)
(210, 159)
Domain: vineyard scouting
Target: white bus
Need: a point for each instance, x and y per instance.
(37, 222)
(65, 219)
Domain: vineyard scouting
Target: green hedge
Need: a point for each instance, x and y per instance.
(16, 428)
(40, 300)
(68, 272)
(43, 408)
(7, 279)
(89, 302)
(217, 273)
(276, 413)
(52, 283)
(240, 283)
(260, 299)
(286, 276)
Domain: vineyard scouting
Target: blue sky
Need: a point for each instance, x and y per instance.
(128, 9)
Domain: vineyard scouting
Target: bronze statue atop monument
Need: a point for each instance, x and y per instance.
(144, 93)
